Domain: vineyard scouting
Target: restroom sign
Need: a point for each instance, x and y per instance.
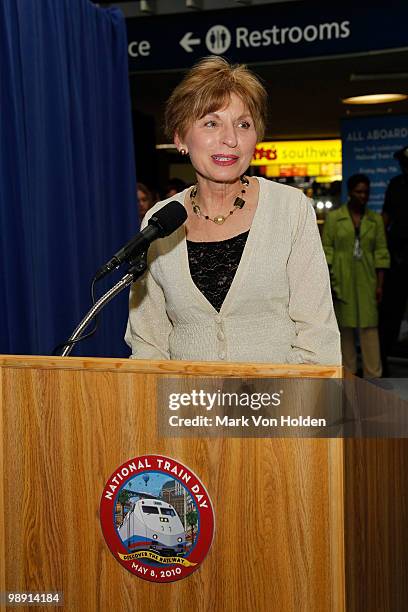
(263, 34)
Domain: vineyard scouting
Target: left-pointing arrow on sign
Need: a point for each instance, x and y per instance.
(187, 41)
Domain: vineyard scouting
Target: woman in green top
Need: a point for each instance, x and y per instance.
(356, 251)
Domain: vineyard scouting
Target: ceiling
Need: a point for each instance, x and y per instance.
(304, 96)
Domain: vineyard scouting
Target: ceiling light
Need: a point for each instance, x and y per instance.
(375, 99)
(147, 6)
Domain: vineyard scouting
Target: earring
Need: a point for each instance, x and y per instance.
(183, 152)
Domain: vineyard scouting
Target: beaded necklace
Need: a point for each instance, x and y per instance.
(220, 219)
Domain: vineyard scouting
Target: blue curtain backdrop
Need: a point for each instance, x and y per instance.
(67, 176)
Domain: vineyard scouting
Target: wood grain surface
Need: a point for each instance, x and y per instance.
(68, 423)
(213, 368)
(376, 520)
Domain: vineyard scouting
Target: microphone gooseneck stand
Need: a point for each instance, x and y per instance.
(136, 269)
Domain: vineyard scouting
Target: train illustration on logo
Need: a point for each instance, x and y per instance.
(154, 524)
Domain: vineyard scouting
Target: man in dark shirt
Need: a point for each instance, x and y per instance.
(395, 214)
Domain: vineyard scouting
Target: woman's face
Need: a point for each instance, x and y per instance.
(221, 144)
(361, 192)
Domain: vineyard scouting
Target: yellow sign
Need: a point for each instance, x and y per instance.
(149, 554)
(298, 152)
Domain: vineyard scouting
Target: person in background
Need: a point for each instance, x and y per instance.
(144, 198)
(174, 186)
(245, 279)
(356, 251)
(395, 216)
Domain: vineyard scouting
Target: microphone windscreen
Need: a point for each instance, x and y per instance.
(169, 218)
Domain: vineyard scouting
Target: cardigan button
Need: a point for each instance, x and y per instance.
(221, 355)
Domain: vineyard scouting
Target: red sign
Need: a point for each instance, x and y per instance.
(157, 518)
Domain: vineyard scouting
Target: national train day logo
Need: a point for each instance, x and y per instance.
(157, 518)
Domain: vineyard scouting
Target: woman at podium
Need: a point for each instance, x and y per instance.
(245, 279)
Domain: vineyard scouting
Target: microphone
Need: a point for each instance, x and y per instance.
(163, 223)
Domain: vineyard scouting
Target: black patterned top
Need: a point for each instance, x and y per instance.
(213, 266)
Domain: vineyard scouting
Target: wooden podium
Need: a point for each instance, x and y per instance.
(295, 525)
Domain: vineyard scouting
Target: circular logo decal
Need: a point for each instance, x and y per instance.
(218, 39)
(157, 518)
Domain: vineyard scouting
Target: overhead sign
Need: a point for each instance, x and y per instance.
(299, 157)
(297, 152)
(264, 33)
(369, 144)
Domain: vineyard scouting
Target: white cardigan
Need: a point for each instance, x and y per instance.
(278, 309)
